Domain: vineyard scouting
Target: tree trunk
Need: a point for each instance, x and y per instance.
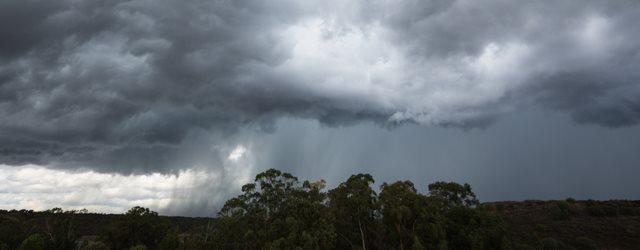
(399, 235)
(361, 235)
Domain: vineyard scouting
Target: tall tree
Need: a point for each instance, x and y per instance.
(409, 218)
(138, 226)
(353, 207)
(453, 194)
(275, 212)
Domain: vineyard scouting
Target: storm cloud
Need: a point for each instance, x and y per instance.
(150, 86)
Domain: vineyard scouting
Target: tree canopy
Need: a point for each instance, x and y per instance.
(276, 211)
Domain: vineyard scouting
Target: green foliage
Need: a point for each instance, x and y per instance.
(138, 226)
(410, 218)
(13, 230)
(170, 241)
(352, 208)
(552, 244)
(453, 194)
(138, 247)
(138, 211)
(522, 246)
(33, 242)
(597, 210)
(61, 232)
(469, 228)
(563, 210)
(98, 245)
(540, 228)
(275, 212)
(198, 242)
(585, 243)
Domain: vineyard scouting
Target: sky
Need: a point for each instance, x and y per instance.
(174, 104)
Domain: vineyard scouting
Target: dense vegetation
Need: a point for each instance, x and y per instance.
(277, 211)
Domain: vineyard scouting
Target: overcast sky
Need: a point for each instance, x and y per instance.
(184, 101)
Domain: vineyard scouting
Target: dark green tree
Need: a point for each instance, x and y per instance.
(453, 194)
(170, 241)
(353, 208)
(138, 226)
(33, 242)
(59, 229)
(13, 230)
(98, 245)
(275, 212)
(468, 225)
(409, 218)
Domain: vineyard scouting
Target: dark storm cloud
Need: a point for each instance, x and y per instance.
(123, 83)
(151, 85)
(583, 56)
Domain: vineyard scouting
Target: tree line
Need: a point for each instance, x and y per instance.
(277, 211)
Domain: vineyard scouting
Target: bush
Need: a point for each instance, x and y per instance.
(596, 211)
(611, 210)
(98, 245)
(553, 244)
(139, 226)
(550, 244)
(33, 242)
(12, 231)
(170, 241)
(585, 243)
(628, 211)
(138, 247)
(539, 228)
(603, 210)
(563, 211)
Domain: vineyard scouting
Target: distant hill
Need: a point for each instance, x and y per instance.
(80, 230)
(611, 224)
(95, 223)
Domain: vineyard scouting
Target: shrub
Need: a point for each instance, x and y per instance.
(549, 244)
(596, 211)
(611, 210)
(524, 247)
(33, 242)
(627, 211)
(170, 241)
(553, 244)
(97, 245)
(603, 210)
(541, 228)
(138, 247)
(585, 243)
(563, 211)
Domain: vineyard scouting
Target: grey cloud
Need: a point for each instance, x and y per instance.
(584, 54)
(151, 85)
